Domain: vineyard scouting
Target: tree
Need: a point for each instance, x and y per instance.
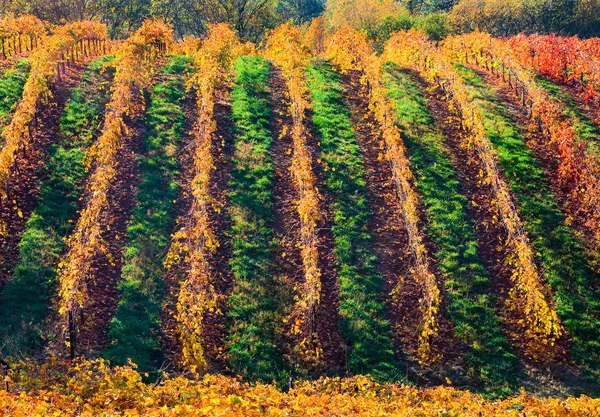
(300, 11)
(428, 6)
(56, 11)
(249, 18)
(361, 15)
(123, 16)
(509, 17)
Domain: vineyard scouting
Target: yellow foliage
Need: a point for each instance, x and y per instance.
(285, 47)
(22, 34)
(96, 389)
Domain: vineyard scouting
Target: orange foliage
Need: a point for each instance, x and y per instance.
(133, 63)
(21, 34)
(570, 60)
(577, 172)
(541, 324)
(213, 63)
(91, 388)
(350, 50)
(314, 37)
(285, 48)
(188, 46)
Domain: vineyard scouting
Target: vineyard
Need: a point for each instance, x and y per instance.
(307, 226)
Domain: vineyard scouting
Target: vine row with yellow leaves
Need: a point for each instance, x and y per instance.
(45, 65)
(133, 63)
(350, 50)
(542, 325)
(195, 241)
(285, 48)
(20, 34)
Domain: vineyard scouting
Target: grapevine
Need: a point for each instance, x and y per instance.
(45, 65)
(348, 218)
(350, 51)
(568, 60)
(577, 172)
(99, 389)
(284, 47)
(314, 37)
(133, 63)
(20, 35)
(541, 324)
(213, 63)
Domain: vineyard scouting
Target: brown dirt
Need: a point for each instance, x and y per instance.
(287, 222)
(326, 319)
(28, 170)
(327, 316)
(391, 241)
(8, 63)
(490, 234)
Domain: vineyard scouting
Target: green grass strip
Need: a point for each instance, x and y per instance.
(587, 132)
(362, 311)
(11, 90)
(135, 328)
(254, 304)
(26, 299)
(489, 361)
(554, 243)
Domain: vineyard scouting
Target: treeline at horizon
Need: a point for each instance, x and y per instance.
(253, 19)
